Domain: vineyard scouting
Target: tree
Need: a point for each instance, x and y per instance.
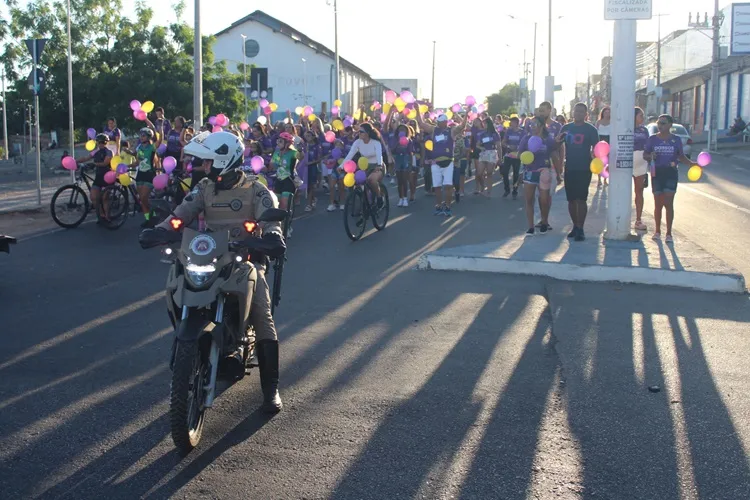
(503, 102)
(115, 59)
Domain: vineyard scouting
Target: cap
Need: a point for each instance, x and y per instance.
(442, 118)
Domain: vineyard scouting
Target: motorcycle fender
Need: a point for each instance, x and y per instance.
(242, 284)
(196, 324)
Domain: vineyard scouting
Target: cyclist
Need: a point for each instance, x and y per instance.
(283, 163)
(145, 154)
(100, 159)
(369, 146)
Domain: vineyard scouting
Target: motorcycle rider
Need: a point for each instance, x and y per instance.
(228, 197)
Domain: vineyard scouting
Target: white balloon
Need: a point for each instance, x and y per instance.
(262, 120)
(264, 94)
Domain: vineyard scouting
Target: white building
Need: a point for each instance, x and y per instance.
(400, 84)
(295, 69)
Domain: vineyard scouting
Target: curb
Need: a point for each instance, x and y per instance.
(707, 282)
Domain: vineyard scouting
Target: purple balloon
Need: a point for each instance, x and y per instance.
(122, 169)
(257, 164)
(161, 149)
(535, 143)
(91, 133)
(348, 122)
(704, 159)
(212, 120)
(360, 176)
(336, 153)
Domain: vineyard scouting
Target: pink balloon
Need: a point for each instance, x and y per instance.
(247, 152)
(704, 159)
(390, 97)
(350, 167)
(267, 110)
(217, 129)
(456, 108)
(257, 164)
(376, 105)
(189, 168)
(244, 126)
(480, 108)
(263, 103)
(330, 136)
(161, 181)
(601, 150)
(222, 120)
(383, 117)
(139, 115)
(407, 97)
(169, 164)
(335, 110)
(605, 172)
(403, 141)
(470, 101)
(69, 163)
(135, 105)
(110, 177)
(307, 111)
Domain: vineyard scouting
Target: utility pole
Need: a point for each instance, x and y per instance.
(588, 83)
(549, 84)
(71, 127)
(336, 46)
(432, 93)
(713, 143)
(35, 55)
(532, 104)
(244, 71)
(197, 69)
(5, 117)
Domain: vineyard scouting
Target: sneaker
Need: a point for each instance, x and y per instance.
(539, 225)
(438, 210)
(640, 226)
(447, 212)
(530, 232)
(573, 233)
(656, 237)
(314, 203)
(505, 194)
(406, 203)
(393, 181)
(331, 208)
(580, 236)
(669, 239)
(400, 202)
(544, 228)
(341, 207)
(308, 208)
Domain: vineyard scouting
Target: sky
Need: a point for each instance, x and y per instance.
(479, 46)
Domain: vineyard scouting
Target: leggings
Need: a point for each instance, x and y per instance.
(515, 164)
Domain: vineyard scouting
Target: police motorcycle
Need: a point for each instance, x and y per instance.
(5, 242)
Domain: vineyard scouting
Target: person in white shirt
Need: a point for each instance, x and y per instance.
(369, 146)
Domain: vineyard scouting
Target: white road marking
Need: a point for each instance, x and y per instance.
(716, 199)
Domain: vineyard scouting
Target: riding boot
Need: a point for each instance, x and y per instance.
(268, 366)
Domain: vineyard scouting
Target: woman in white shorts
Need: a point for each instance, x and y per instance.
(486, 142)
(640, 167)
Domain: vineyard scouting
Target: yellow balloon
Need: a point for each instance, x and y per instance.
(185, 183)
(90, 145)
(412, 114)
(312, 117)
(514, 115)
(597, 166)
(400, 104)
(349, 180)
(299, 110)
(694, 173)
(147, 106)
(527, 157)
(273, 106)
(506, 123)
(116, 160)
(387, 107)
(449, 114)
(357, 115)
(428, 145)
(337, 102)
(124, 179)
(337, 125)
(363, 163)
(423, 108)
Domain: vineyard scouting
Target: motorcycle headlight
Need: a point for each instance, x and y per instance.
(200, 275)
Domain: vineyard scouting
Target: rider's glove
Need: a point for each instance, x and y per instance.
(276, 244)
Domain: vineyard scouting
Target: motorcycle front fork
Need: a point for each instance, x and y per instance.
(213, 355)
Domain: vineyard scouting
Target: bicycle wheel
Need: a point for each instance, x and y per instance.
(73, 206)
(114, 202)
(355, 220)
(380, 215)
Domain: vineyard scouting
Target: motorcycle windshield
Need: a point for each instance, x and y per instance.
(202, 248)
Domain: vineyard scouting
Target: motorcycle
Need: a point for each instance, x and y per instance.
(5, 242)
(209, 305)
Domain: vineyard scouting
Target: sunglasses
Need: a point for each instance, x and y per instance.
(662, 123)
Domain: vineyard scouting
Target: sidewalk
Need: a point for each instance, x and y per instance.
(684, 264)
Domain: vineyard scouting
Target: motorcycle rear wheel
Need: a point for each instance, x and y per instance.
(186, 412)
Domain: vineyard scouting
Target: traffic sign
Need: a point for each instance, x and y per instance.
(627, 10)
(35, 46)
(40, 79)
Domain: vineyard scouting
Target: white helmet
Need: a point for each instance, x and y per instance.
(223, 148)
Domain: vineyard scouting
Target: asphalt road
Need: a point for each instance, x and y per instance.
(397, 383)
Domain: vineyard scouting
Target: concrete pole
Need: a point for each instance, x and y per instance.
(244, 72)
(432, 93)
(621, 139)
(71, 126)
(5, 119)
(197, 70)
(36, 129)
(549, 83)
(532, 104)
(713, 129)
(336, 48)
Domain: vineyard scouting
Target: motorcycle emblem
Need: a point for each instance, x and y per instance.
(202, 245)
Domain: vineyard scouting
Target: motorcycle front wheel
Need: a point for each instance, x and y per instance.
(190, 373)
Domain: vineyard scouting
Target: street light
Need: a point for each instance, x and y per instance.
(304, 76)
(336, 46)
(71, 134)
(244, 70)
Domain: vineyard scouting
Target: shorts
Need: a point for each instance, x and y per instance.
(99, 177)
(664, 181)
(474, 155)
(402, 162)
(337, 174)
(541, 177)
(577, 184)
(312, 175)
(640, 166)
(442, 176)
(145, 178)
(489, 156)
(284, 186)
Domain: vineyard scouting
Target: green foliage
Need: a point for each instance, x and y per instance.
(115, 59)
(503, 102)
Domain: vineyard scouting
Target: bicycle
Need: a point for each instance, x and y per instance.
(278, 266)
(360, 205)
(77, 199)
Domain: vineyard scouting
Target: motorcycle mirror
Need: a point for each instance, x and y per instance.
(273, 215)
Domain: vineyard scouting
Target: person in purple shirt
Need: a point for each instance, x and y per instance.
(554, 128)
(664, 151)
(539, 174)
(402, 147)
(512, 137)
(314, 155)
(114, 135)
(260, 136)
(640, 167)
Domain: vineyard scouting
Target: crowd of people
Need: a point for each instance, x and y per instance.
(303, 157)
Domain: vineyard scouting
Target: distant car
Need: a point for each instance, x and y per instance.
(679, 131)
